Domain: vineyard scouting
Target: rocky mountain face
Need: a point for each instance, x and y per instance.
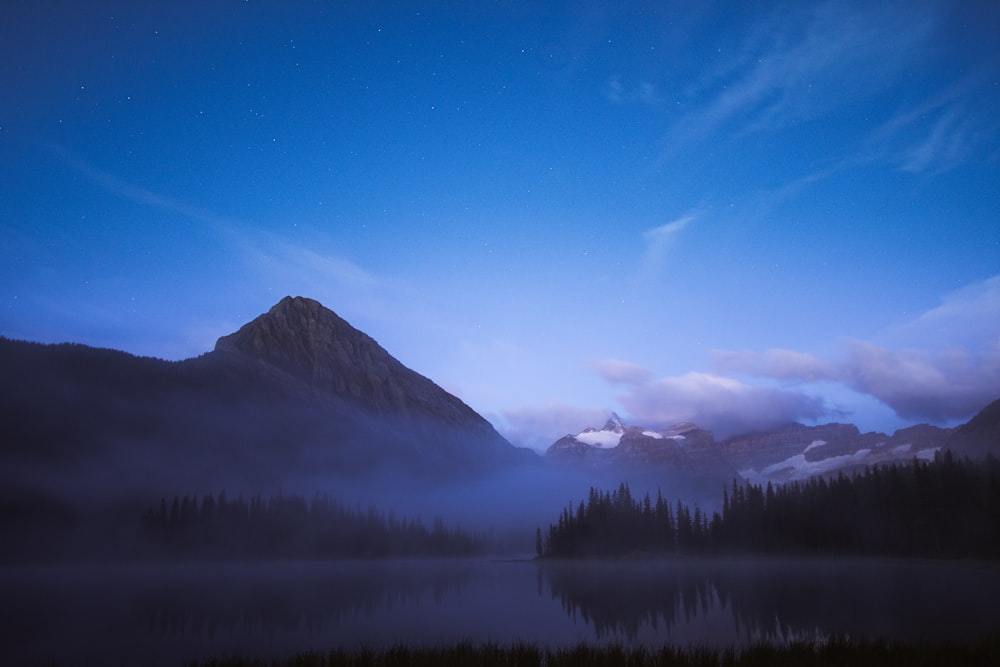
(790, 452)
(796, 451)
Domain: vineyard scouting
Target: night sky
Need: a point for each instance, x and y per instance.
(732, 213)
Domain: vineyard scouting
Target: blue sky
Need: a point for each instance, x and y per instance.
(737, 214)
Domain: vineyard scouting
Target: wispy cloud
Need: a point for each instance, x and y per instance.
(300, 267)
(269, 264)
(617, 91)
(943, 130)
(801, 64)
(949, 142)
(659, 241)
(968, 316)
(123, 189)
(295, 263)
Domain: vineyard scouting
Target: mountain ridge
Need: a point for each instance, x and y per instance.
(785, 453)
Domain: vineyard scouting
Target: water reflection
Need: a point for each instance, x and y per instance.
(310, 598)
(171, 614)
(775, 600)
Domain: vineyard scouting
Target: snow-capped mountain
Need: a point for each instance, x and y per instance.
(787, 453)
(607, 437)
(681, 447)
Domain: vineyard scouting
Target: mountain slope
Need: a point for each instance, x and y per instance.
(980, 436)
(300, 344)
(297, 393)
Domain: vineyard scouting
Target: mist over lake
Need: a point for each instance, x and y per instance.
(169, 614)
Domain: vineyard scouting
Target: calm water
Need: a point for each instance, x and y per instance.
(166, 614)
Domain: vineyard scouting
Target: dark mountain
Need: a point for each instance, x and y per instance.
(293, 396)
(980, 436)
(296, 401)
(313, 345)
(299, 343)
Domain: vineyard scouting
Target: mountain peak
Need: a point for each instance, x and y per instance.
(311, 342)
(301, 338)
(614, 424)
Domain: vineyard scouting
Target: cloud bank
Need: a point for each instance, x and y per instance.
(749, 390)
(723, 405)
(539, 427)
(938, 382)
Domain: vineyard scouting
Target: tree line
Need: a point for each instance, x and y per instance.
(945, 508)
(290, 526)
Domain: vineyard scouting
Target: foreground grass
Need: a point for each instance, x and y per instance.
(833, 652)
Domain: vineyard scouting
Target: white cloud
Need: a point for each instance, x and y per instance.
(948, 368)
(776, 363)
(539, 427)
(723, 405)
(918, 384)
(617, 371)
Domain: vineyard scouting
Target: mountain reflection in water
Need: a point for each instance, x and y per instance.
(175, 613)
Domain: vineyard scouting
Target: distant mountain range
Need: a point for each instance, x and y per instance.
(789, 452)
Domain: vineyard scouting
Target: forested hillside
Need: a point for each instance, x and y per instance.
(289, 526)
(946, 508)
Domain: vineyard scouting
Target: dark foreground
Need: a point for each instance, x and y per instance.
(832, 652)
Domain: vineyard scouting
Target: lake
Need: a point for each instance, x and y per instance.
(168, 614)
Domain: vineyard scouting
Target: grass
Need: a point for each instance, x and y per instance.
(800, 654)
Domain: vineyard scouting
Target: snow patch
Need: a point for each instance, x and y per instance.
(796, 467)
(927, 454)
(653, 434)
(600, 439)
(899, 449)
(813, 445)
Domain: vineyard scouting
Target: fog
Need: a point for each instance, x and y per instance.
(95, 438)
